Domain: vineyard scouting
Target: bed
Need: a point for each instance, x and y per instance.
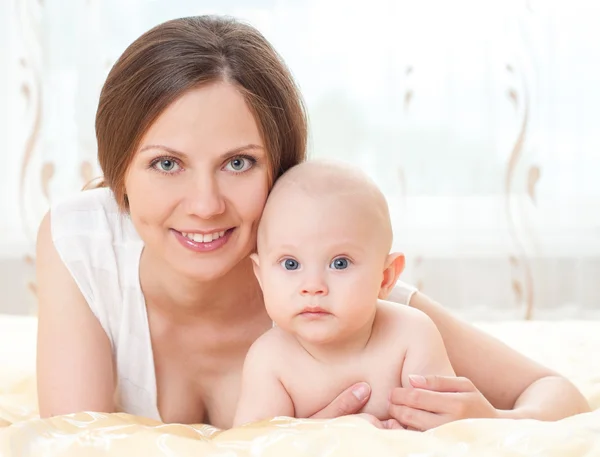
(569, 346)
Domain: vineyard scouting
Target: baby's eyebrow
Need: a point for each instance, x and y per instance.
(282, 248)
(347, 246)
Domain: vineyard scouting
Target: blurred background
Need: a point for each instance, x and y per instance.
(478, 118)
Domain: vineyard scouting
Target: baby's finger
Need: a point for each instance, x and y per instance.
(442, 383)
(415, 418)
(426, 400)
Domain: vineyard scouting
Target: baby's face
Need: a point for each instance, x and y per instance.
(321, 266)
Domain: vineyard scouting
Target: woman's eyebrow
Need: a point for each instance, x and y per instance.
(240, 149)
(165, 149)
(182, 155)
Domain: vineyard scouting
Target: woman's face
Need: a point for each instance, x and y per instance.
(198, 183)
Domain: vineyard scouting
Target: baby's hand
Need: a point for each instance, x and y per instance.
(388, 424)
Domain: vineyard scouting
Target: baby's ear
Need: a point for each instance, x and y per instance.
(256, 266)
(394, 265)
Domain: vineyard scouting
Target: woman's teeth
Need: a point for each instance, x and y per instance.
(206, 238)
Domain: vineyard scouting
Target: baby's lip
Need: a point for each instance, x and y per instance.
(314, 310)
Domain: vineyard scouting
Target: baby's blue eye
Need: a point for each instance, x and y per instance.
(290, 264)
(340, 263)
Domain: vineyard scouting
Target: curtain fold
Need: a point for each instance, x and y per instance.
(479, 121)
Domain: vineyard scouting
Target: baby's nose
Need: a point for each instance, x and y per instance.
(315, 286)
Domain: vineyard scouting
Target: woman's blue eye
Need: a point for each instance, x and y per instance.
(166, 165)
(341, 263)
(240, 164)
(290, 264)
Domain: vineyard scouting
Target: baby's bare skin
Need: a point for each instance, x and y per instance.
(403, 341)
(325, 267)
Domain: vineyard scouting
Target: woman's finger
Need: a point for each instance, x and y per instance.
(426, 400)
(391, 424)
(442, 383)
(348, 402)
(415, 418)
(388, 424)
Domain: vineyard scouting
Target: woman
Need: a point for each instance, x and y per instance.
(148, 302)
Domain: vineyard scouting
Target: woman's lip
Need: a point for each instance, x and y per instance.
(204, 232)
(197, 246)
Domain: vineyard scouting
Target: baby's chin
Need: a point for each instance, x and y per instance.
(319, 337)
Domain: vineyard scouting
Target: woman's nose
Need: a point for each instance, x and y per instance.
(204, 198)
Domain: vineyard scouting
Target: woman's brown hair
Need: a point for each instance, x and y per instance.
(179, 55)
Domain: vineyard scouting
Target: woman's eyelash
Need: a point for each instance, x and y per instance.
(248, 161)
(249, 158)
(153, 164)
(154, 161)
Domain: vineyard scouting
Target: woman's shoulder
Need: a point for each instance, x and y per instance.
(87, 201)
(100, 248)
(402, 293)
(91, 213)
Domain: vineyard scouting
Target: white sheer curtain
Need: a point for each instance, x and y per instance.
(477, 118)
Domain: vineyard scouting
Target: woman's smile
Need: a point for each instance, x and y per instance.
(203, 242)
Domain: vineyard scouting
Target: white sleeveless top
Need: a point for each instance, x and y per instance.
(101, 249)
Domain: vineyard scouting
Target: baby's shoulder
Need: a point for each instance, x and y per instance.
(275, 342)
(404, 319)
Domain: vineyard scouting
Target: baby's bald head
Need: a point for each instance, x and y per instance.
(326, 183)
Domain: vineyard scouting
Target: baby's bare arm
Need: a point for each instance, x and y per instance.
(426, 353)
(262, 396)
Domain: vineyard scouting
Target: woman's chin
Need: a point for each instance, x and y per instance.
(206, 270)
(205, 274)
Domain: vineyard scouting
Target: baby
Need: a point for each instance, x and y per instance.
(324, 264)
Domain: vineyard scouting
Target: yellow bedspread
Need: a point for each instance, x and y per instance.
(570, 347)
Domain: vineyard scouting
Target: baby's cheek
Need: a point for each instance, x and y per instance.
(274, 304)
(361, 299)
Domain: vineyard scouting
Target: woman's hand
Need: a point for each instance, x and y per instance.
(348, 402)
(388, 424)
(436, 400)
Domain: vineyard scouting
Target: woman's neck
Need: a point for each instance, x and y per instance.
(180, 299)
